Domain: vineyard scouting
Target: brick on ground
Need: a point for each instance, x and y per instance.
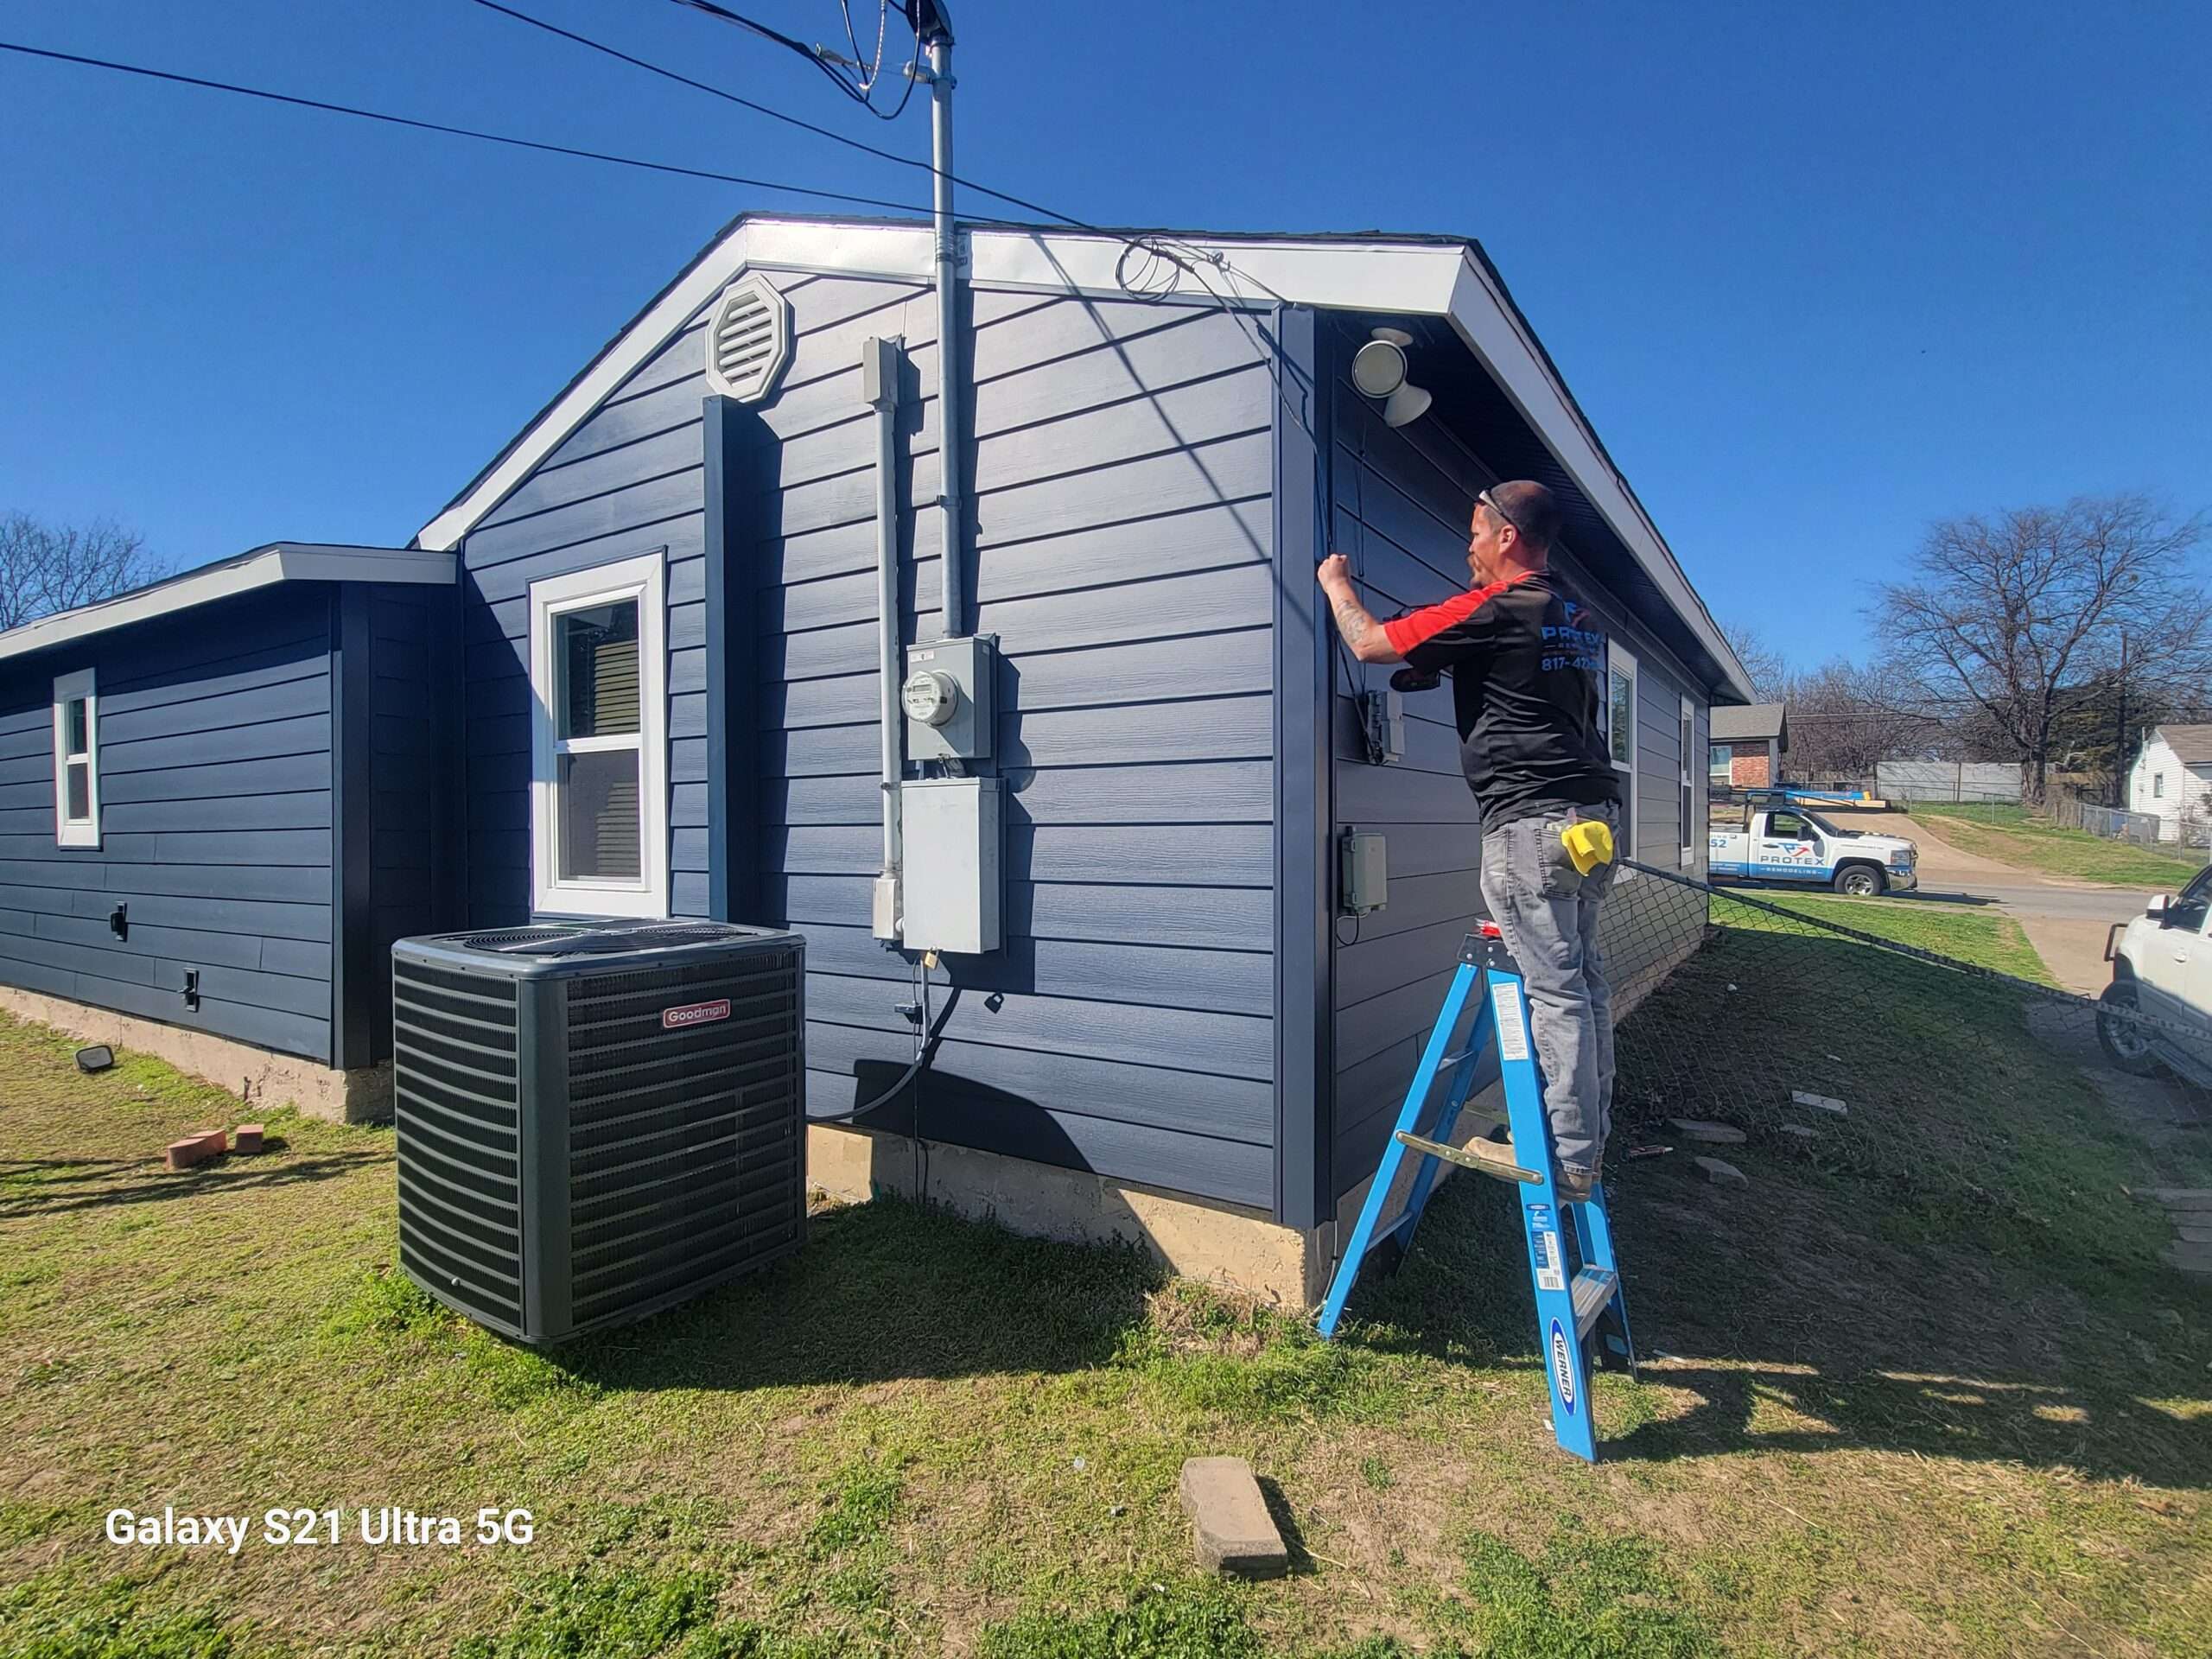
(246, 1138)
(195, 1148)
(1233, 1531)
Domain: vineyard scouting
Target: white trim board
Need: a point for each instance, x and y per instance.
(263, 566)
(1400, 277)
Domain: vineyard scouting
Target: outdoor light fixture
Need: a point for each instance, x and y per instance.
(1378, 370)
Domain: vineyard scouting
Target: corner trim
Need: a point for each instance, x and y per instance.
(1303, 958)
(352, 943)
(733, 854)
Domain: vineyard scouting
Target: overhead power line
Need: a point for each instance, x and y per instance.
(297, 102)
(773, 113)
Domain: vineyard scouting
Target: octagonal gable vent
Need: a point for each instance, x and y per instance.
(748, 340)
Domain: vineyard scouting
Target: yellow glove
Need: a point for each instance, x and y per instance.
(1589, 844)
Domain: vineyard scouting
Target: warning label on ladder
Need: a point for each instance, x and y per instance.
(1512, 1034)
(1543, 1249)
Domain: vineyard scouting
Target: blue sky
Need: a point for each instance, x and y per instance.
(1818, 274)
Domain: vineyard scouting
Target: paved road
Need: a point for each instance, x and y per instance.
(2066, 921)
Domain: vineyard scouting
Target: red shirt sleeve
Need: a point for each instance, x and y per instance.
(1441, 635)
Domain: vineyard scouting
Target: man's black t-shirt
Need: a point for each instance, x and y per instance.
(1529, 661)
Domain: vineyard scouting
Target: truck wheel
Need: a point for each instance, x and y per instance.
(1860, 881)
(2124, 1040)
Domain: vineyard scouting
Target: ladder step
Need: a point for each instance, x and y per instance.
(1593, 1292)
(1486, 1156)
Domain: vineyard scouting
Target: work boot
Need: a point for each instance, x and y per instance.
(1573, 1183)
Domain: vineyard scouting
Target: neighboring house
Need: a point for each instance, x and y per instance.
(2172, 780)
(1182, 1036)
(1748, 743)
(218, 806)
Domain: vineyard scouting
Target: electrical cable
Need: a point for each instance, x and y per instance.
(581, 154)
(774, 114)
(925, 1050)
(725, 15)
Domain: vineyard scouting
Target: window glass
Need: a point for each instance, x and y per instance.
(79, 737)
(1716, 760)
(597, 653)
(1787, 826)
(601, 837)
(81, 791)
(1621, 732)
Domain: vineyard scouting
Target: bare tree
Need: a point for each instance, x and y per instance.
(1769, 672)
(1843, 722)
(2004, 616)
(46, 568)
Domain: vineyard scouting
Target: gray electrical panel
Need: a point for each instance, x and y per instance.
(950, 829)
(1364, 879)
(947, 698)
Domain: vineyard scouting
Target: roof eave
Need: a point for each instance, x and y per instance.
(257, 567)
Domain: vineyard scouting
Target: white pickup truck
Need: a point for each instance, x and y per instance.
(1772, 841)
(2162, 969)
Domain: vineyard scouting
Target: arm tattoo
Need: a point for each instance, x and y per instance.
(1352, 619)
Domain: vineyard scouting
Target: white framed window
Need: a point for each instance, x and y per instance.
(76, 761)
(1689, 798)
(599, 741)
(1719, 766)
(1620, 738)
(2157, 785)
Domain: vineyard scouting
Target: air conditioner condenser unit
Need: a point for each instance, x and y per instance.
(599, 1120)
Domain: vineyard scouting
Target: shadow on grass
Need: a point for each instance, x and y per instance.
(46, 1186)
(885, 1291)
(1949, 1268)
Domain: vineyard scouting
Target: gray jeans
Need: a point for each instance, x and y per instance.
(1547, 910)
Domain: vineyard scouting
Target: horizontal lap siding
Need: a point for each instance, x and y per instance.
(631, 480)
(1401, 502)
(214, 785)
(1121, 518)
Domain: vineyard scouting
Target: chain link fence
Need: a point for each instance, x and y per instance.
(1848, 1032)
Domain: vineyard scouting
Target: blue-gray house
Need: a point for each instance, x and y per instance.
(1119, 790)
(220, 802)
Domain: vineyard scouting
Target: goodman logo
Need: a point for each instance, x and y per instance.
(694, 1013)
(1563, 1368)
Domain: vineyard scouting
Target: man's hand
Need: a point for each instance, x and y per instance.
(1361, 632)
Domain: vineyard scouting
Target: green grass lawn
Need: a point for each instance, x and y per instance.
(1874, 1418)
(2012, 835)
(1988, 939)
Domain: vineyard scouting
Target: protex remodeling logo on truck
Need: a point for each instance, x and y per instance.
(1771, 838)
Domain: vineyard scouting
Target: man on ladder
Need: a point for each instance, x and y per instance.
(1527, 661)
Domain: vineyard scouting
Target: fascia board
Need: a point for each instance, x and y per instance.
(285, 561)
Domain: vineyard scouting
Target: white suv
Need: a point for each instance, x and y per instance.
(2162, 969)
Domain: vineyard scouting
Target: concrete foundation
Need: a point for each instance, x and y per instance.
(1228, 1245)
(257, 1076)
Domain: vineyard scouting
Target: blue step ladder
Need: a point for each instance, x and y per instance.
(1578, 1316)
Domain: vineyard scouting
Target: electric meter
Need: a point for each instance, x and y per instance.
(930, 697)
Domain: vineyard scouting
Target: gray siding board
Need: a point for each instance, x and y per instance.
(215, 778)
(1120, 475)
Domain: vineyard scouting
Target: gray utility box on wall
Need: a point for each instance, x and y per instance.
(596, 1120)
(951, 833)
(947, 694)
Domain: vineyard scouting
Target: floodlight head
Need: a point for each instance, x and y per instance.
(1407, 403)
(1379, 368)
